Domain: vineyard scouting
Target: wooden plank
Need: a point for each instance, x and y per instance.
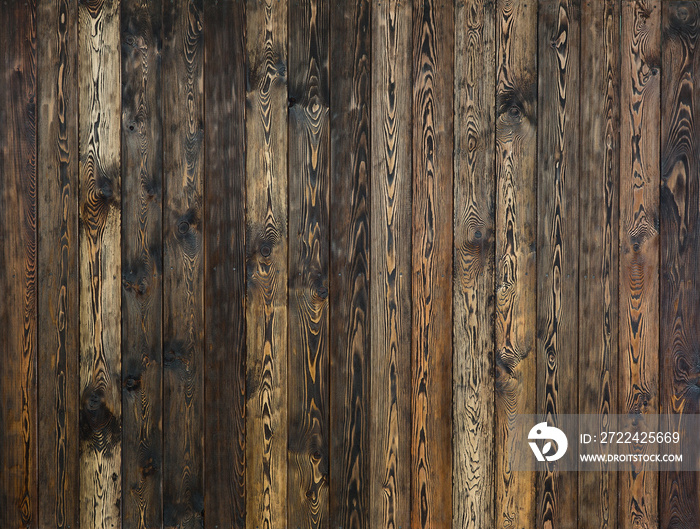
(516, 199)
(266, 308)
(57, 144)
(679, 497)
(183, 304)
(100, 264)
(224, 244)
(18, 262)
(431, 372)
(349, 260)
(142, 266)
(474, 238)
(309, 182)
(557, 241)
(639, 243)
(390, 258)
(598, 243)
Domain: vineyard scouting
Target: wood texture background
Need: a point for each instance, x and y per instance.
(298, 263)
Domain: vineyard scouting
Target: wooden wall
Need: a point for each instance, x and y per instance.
(298, 263)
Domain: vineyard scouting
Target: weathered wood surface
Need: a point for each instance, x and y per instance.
(390, 265)
(516, 244)
(474, 266)
(679, 238)
(57, 309)
(300, 263)
(99, 78)
(142, 264)
(183, 267)
(598, 244)
(349, 265)
(223, 231)
(640, 124)
(309, 246)
(557, 242)
(18, 263)
(267, 258)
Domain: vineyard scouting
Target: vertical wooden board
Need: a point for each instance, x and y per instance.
(100, 264)
(57, 144)
(142, 266)
(557, 241)
(516, 207)
(18, 237)
(639, 243)
(349, 264)
(224, 240)
(390, 258)
(309, 183)
(266, 254)
(598, 244)
(474, 237)
(679, 502)
(183, 292)
(431, 372)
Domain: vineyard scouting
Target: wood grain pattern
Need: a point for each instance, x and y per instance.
(598, 244)
(639, 243)
(431, 369)
(183, 314)
(679, 236)
(309, 183)
(100, 264)
(142, 266)
(18, 262)
(557, 241)
(390, 266)
(225, 270)
(474, 237)
(266, 227)
(516, 126)
(57, 286)
(349, 265)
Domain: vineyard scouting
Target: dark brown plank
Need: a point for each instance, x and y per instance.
(100, 264)
(57, 144)
(516, 208)
(598, 244)
(309, 183)
(390, 256)
(224, 244)
(679, 235)
(183, 289)
(557, 241)
(266, 306)
(474, 238)
(431, 370)
(350, 36)
(18, 265)
(639, 243)
(142, 266)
